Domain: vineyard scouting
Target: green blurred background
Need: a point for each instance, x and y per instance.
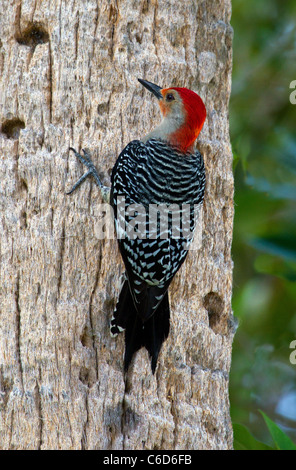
(263, 136)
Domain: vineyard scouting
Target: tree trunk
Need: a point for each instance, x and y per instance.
(68, 77)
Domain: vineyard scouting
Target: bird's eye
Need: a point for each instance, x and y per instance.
(170, 97)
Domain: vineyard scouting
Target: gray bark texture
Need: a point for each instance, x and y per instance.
(68, 77)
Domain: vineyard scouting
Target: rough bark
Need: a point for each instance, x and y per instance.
(68, 77)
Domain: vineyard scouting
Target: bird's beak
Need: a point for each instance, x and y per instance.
(155, 89)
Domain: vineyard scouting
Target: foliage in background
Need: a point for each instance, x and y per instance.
(244, 440)
(263, 135)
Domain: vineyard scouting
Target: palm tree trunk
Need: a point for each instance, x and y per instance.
(68, 77)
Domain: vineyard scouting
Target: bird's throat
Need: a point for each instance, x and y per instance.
(176, 133)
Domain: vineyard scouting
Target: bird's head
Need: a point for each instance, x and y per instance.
(184, 114)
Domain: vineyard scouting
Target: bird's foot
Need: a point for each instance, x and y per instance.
(92, 171)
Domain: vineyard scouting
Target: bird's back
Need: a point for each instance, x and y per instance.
(159, 190)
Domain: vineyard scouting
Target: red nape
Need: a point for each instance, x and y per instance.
(195, 118)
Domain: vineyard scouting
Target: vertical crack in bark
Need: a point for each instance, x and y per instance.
(39, 411)
(17, 21)
(60, 260)
(18, 329)
(175, 419)
(93, 43)
(122, 130)
(124, 410)
(50, 82)
(154, 27)
(34, 9)
(84, 438)
(10, 428)
(113, 15)
(91, 312)
(76, 37)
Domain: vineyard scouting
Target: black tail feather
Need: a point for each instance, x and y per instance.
(156, 330)
(133, 337)
(149, 334)
(124, 305)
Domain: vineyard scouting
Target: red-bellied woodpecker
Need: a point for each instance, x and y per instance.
(156, 178)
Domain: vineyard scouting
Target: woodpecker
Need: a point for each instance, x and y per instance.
(160, 171)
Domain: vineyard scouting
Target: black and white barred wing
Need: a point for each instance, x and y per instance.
(154, 193)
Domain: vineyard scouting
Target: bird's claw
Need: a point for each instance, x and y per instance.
(86, 160)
